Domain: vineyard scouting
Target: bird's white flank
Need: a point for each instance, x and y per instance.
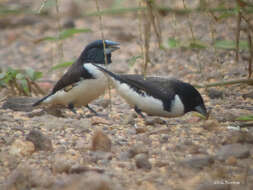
(147, 103)
(83, 91)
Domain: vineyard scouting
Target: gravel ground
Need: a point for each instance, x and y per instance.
(52, 148)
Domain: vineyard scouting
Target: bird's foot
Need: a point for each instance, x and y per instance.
(138, 111)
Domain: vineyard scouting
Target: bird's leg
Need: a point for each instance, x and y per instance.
(92, 110)
(71, 107)
(97, 114)
(138, 111)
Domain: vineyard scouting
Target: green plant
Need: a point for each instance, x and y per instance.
(62, 65)
(67, 33)
(22, 82)
(245, 118)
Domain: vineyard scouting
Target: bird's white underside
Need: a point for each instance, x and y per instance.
(83, 92)
(148, 103)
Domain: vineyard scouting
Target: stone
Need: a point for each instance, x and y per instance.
(26, 177)
(100, 155)
(22, 148)
(211, 186)
(137, 149)
(210, 124)
(153, 121)
(78, 169)
(69, 23)
(214, 93)
(18, 179)
(248, 95)
(236, 150)
(89, 181)
(40, 141)
(101, 142)
(164, 138)
(198, 162)
(20, 103)
(62, 163)
(231, 161)
(142, 162)
(140, 130)
(124, 156)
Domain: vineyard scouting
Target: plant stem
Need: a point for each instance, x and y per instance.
(224, 83)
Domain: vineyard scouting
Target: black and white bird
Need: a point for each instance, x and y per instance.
(157, 96)
(83, 82)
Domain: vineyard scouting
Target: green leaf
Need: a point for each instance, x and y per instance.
(62, 65)
(2, 76)
(33, 75)
(37, 75)
(2, 83)
(245, 118)
(200, 116)
(20, 76)
(226, 15)
(64, 34)
(10, 74)
(173, 43)
(116, 11)
(71, 31)
(30, 73)
(24, 85)
(230, 44)
(197, 45)
(133, 59)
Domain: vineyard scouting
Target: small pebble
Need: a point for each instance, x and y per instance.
(22, 148)
(164, 138)
(236, 150)
(101, 142)
(199, 162)
(214, 93)
(40, 141)
(231, 161)
(142, 162)
(137, 149)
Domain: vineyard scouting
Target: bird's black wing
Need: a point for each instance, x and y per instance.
(75, 73)
(157, 87)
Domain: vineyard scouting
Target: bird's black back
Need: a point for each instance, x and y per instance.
(73, 75)
(92, 53)
(165, 89)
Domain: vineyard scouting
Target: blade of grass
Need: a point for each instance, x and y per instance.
(230, 44)
(62, 65)
(245, 118)
(64, 34)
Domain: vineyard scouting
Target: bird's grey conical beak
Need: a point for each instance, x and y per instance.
(111, 46)
(202, 110)
(111, 43)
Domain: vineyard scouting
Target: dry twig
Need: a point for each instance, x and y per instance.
(106, 62)
(224, 83)
(239, 18)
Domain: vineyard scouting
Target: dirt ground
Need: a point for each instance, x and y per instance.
(46, 148)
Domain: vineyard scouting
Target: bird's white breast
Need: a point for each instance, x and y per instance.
(84, 91)
(149, 104)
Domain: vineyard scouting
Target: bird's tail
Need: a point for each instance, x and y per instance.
(41, 100)
(111, 74)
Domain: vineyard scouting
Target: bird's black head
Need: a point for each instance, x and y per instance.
(95, 52)
(192, 99)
